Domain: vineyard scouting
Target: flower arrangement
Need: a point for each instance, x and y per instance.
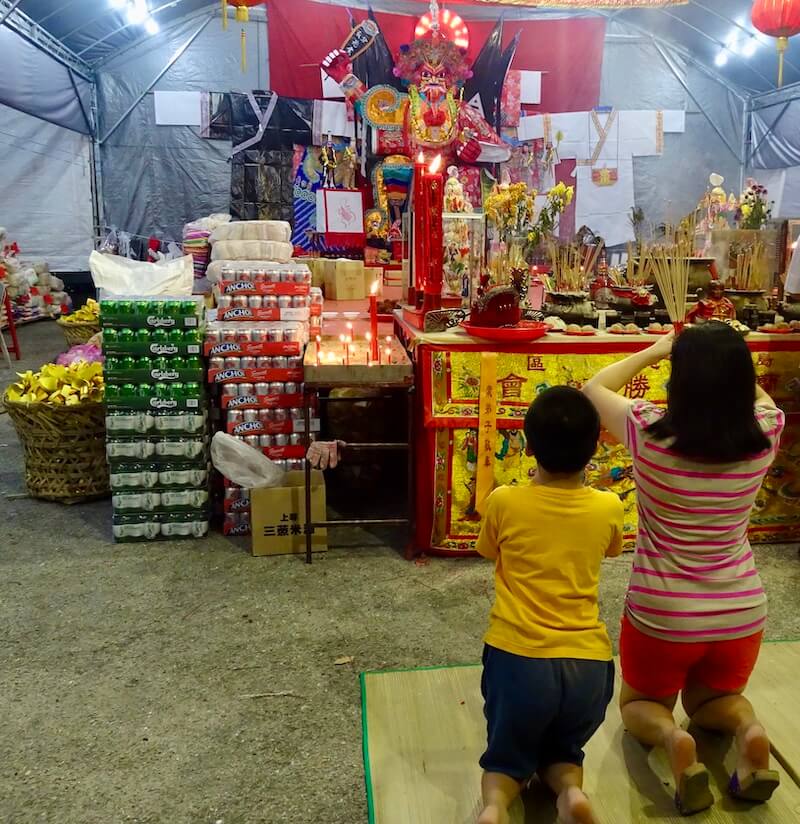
(558, 199)
(754, 208)
(512, 209)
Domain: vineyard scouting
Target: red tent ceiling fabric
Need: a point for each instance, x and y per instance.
(569, 51)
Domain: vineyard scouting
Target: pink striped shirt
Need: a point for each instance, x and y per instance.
(694, 576)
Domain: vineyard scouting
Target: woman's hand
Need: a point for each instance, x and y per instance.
(661, 349)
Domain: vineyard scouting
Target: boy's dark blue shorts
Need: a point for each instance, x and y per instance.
(541, 711)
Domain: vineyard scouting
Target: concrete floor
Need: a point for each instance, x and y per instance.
(131, 676)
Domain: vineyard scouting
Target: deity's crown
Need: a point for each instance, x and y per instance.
(433, 51)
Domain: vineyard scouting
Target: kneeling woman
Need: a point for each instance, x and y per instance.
(696, 608)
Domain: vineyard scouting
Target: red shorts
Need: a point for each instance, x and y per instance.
(660, 669)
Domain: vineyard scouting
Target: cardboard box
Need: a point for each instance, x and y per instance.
(278, 516)
(345, 280)
(371, 274)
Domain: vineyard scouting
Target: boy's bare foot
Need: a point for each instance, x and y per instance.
(494, 814)
(574, 808)
(753, 746)
(682, 753)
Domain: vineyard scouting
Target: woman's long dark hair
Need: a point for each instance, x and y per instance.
(711, 397)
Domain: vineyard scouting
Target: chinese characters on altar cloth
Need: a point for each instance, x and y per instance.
(603, 143)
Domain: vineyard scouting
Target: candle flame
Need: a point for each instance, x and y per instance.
(421, 157)
(435, 165)
(342, 338)
(389, 339)
(349, 325)
(373, 290)
(369, 336)
(331, 357)
(319, 339)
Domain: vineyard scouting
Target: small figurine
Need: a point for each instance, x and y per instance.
(347, 168)
(715, 306)
(329, 161)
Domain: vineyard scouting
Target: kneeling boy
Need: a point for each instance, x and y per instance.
(548, 676)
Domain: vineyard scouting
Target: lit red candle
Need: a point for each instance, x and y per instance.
(433, 183)
(419, 274)
(319, 343)
(373, 320)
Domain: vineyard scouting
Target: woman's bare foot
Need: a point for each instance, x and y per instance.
(574, 808)
(682, 753)
(753, 747)
(494, 814)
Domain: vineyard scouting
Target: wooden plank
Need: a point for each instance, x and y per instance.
(425, 732)
(775, 687)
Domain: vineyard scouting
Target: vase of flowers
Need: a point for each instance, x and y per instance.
(754, 207)
(521, 228)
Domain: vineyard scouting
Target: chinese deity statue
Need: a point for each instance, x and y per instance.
(715, 306)
(432, 117)
(456, 239)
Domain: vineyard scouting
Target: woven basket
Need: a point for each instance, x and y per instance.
(65, 449)
(76, 333)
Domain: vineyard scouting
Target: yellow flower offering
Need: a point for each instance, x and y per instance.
(89, 313)
(56, 385)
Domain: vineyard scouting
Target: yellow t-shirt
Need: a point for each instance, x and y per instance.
(548, 545)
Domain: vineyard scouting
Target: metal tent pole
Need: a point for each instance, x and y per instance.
(694, 100)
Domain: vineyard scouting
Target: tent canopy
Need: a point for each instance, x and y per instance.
(81, 65)
(716, 32)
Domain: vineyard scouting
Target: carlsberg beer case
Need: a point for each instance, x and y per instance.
(157, 428)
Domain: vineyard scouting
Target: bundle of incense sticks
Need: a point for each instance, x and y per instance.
(571, 262)
(751, 268)
(640, 264)
(671, 265)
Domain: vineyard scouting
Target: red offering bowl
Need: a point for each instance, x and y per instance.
(523, 332)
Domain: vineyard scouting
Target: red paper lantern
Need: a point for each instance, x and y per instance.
(780, 19)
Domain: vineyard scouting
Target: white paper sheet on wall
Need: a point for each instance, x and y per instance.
(334, 120)
(675, 121)
(331, 90)
(178, 108)
(530, 128)
(530, 88)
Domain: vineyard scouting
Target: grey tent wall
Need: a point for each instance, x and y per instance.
(773, 150)
(33, 82)
(156, 178)
(46, 181)
(46, 176)
(641, 73)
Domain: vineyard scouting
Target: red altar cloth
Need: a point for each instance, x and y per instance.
(448, 385)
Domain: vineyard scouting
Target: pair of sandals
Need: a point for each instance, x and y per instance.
(694, 794)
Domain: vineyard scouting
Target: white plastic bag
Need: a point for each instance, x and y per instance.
(243, 464)
(120, 276)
